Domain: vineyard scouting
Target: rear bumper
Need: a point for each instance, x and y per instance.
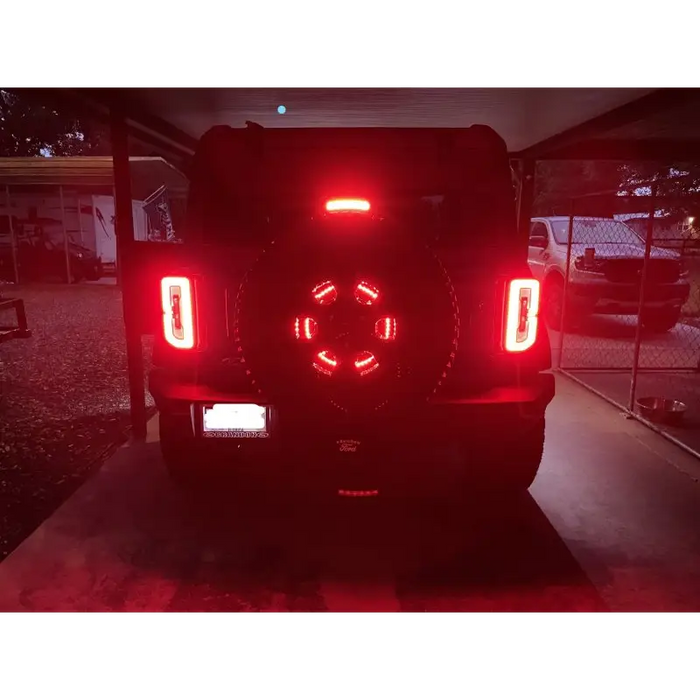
(438, 448)
(442, 418)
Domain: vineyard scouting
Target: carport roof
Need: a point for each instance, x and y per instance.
(624, 123)
(147, 173)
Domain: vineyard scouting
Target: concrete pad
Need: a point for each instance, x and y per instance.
(625, 501)
(613, 525)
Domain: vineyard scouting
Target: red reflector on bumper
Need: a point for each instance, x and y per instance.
(358, 494)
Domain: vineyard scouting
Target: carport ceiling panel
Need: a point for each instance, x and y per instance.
(523, 117)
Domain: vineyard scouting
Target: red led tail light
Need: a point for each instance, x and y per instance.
(385, 328)
(325, 293)
(522, 307)
(326, 362)
(366, 362)
(178, 312)
(366, 293)
(305, 328)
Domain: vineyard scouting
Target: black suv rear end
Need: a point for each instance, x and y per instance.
(353, 308)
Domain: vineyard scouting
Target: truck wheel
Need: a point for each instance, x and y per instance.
(512, 466)
(662, 320)
(93, 274)
(76, 275)
(553, 300)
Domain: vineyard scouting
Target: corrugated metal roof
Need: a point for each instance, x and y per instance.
(147, 173)
(522, 116)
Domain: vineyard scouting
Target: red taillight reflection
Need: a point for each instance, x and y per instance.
(366, 362)
(305, 328)
(385, 328)
(522, 307)
(347, 205)
(178, 312)
(366, 293)
(325, 293)
(326, 362)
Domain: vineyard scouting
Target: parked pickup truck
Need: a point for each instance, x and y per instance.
(605, 274)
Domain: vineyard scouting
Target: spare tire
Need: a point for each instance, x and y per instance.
(360, 316)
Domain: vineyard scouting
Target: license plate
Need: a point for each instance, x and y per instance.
(235, 420)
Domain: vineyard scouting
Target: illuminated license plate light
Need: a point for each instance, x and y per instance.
(237, 420)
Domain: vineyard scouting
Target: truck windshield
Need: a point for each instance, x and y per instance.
(595, 231)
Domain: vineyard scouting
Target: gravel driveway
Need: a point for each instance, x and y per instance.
(64, 400)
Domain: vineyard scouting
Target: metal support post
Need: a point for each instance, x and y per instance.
(13, 241)
(130, 299)
(66, 249)
(642, 290)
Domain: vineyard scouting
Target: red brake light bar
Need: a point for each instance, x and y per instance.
(347, 205)
(522, 307)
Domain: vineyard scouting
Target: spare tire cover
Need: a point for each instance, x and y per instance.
(390, 342)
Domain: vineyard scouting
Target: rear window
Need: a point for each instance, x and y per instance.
(247, 185)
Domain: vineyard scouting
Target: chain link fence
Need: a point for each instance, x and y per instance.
(621, 299)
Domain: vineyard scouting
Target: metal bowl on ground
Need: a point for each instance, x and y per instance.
(660, 410)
